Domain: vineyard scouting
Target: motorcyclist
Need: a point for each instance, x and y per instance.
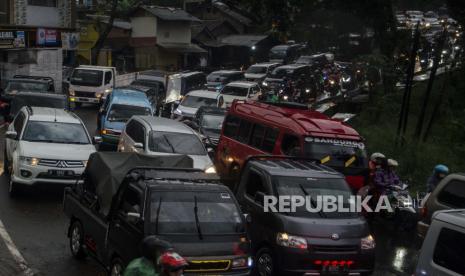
(439, 172)
(172, 264)
(152, 247)
(375, 162)
(392, 178)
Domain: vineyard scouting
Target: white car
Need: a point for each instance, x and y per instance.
(193, 101)
(258, 72)
(160, 136)
(238, 90)
(46, 145)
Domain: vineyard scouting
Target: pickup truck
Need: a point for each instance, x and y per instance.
(126, 197)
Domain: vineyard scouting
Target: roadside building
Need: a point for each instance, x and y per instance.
(32, 36)
(161, 38)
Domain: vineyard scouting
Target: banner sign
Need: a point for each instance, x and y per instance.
(46, 37)
(69, 41)
(12, 39)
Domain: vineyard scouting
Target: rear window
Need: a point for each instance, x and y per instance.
(235, 91)
(172, 142)
(449, 251)
(199, 213)
(196, 102)
(453, 194)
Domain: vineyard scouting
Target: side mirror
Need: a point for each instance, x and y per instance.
(138, 145)
(248, 218)
(11, 134)
(260, 197)
(97, 139)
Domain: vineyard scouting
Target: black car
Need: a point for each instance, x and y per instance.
(209, 121)
(36, 99)
(302, 242)
(216, 80)
(298, 74)
(286, 53)
(126, 197)
(22, 83)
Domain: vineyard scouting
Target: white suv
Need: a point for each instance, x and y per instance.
(46, 145)
(161, 136)
(238, 90)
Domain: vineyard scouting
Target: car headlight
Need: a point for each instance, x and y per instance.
(84, 162)
(98, 95)
(264, 83)
(285, 97)
(32, 161)
(242, 262)
(283, 239)
(71, 92)
(210, 169)
(332, 82)
(178, 111)
(108, 90)
(368, 243)
(307, 90)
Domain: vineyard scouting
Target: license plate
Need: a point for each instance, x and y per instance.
(60, 173)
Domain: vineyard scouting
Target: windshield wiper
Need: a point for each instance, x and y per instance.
(42, 141)
(312, 201)
(197, 222)
(158, 215)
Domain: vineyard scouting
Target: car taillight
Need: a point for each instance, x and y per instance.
(333, 262)
(424, 212)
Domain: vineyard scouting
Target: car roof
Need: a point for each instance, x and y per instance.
(245, 84)
(454, 216)
(225, 72)
(130, 97)
(164, 124)
(264, 64)
(47, 114)
(305, 122)
(298, 168)
(291, 66)
(29, 80)
(203, 94)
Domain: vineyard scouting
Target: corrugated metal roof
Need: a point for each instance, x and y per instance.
(242, 40)
(171, 14)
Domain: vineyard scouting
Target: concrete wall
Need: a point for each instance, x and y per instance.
(173, 32)
(144, 27)
(42, 16)
(34, 62)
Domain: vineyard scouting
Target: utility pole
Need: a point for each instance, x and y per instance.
(404, 111)
(437, 59)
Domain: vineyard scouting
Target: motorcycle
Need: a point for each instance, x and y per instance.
(404, 210)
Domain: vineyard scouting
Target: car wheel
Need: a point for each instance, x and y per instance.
(6, 164)
(117, 267)
(265, 263)
(76, 240)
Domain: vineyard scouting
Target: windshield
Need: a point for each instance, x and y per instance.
(235, 91)
(26, 86)
(52, 132)
(87, 77)
(256, 70)
(278, 53)
(194, 82)
(196, 102)
(172, 142)
(280, 73)
(216, 78)
(315, 188)
(336, 153)
(212, 122)
(176, 213)
(122, 112)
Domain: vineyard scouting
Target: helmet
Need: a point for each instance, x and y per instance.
(438, 169)
(172, 261)
(151, 246)
(377, 155)
(392, 163)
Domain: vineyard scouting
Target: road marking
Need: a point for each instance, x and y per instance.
(14, 251)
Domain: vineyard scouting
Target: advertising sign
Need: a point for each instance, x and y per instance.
(46, 37)
(69, 41)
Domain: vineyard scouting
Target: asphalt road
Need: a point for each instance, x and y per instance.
(37, 226)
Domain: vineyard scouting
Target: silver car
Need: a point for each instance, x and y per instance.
(160, 136)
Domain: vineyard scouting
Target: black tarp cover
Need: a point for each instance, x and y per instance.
(106, 171)
(38, 99)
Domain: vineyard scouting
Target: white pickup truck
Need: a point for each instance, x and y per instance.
(91, 84)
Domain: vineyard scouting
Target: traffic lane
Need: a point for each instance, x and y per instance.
(37, 224)
(88, 114)
(397, 250)
(7, 263)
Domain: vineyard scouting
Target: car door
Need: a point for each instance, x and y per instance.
(252, 204)
(108, 81)
(101, 113)
(17, 126)
(127, 225)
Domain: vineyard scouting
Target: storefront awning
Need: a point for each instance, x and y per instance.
(182, 47)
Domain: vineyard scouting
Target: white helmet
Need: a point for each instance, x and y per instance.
(377, 155)
(392, 163)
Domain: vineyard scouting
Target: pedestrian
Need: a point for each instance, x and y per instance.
(439, 172)
(172, 264)
(147, 265)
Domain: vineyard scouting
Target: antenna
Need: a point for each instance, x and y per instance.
(55, 114)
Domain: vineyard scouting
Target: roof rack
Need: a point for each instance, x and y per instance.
(33, 77)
